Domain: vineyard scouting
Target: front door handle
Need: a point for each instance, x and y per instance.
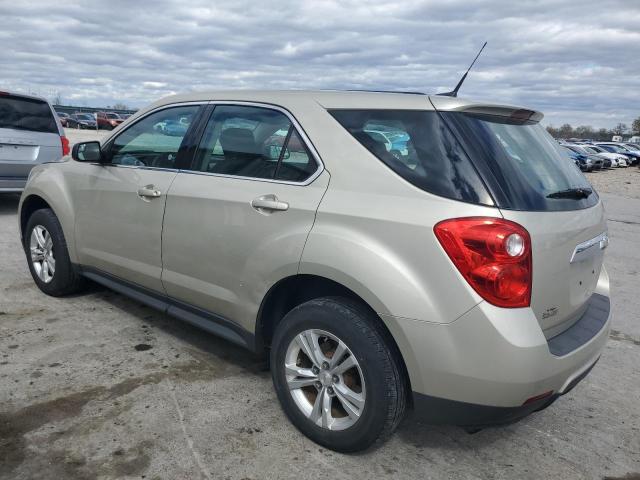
(149, 191)
(269, 203)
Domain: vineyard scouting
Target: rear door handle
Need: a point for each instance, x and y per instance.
(149, 191)
(269, 203)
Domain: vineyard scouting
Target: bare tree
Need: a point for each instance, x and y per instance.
(120, 106)
(620, 129)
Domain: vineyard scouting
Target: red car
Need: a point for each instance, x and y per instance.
(109, 120)
(64, 118)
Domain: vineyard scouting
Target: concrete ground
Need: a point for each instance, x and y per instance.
(97, 386)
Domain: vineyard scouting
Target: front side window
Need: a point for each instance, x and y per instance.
(253, 142)
(153, 141)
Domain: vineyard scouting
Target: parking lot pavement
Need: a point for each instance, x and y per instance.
(99, 386)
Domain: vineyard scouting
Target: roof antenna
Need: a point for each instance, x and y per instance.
(454, 92)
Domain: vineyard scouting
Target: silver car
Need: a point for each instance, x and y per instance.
(30, 134)
(458, 275)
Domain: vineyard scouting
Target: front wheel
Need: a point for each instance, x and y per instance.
(47, 255)
(336, 374)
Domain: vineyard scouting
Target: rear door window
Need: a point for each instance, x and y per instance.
(21, 113)
(253, 142)
(419, 147)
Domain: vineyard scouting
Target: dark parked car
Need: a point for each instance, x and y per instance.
(598, 163)
(582, 161)
(81, 120)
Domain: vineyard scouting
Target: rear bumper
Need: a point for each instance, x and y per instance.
(12, 184)
(441, 411)
(485, 367)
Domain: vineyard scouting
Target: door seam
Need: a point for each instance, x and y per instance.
(164, 212)
(315, 217)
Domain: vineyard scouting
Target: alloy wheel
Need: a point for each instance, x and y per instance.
(41, 249)
(325, 379)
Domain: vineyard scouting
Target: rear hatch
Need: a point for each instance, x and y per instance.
(29, 134)
(533, 185)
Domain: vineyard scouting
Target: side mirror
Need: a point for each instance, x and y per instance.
(87, 152)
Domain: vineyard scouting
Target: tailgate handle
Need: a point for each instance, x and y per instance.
(587, 249)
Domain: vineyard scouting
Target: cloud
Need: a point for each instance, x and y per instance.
(576, 63)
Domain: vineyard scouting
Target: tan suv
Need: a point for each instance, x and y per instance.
(454, 269)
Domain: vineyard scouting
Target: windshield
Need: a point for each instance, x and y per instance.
(113, 115)
(612, 148)
(22, 113)
(84, 116)
(520, 162)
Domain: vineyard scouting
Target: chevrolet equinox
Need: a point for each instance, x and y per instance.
(455, 271)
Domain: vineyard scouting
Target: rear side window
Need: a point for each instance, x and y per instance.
(418, 146)
(523, 165)
(30, 114)
(253, 142)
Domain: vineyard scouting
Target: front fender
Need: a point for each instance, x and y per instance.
(49, 182)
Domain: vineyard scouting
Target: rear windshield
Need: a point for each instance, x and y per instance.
(523, 166)
(419, 147)
(22, 113)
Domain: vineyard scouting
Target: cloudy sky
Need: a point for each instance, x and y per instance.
(578, 62)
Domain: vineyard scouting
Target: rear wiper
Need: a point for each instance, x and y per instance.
(576, 193)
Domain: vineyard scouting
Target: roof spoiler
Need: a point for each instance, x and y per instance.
(515, 114)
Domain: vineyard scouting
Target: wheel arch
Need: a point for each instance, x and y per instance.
(47, 188)
(30, 204)
(294, 290)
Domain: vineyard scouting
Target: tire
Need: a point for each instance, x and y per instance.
(377, 380)
(65, 279)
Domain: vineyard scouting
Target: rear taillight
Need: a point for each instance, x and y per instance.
(65, 145)
(493, 255)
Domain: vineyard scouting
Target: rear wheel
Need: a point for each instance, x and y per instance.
(47, 255)
(336, 375)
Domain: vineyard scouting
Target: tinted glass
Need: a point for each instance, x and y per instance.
(155, 140)
(296, 164)
(26, 114)
(253, 142)
(419, 147)
(521, 163)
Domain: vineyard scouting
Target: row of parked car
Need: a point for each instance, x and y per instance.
(590, 156)
(82, 120)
